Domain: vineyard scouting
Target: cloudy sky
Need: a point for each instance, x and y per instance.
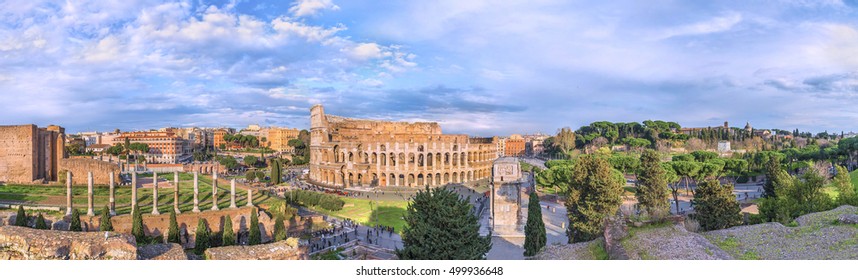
(477, 67)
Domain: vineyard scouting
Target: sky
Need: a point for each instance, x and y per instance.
(478, 67)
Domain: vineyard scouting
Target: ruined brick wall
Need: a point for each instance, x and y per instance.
(346, 152)
(81, 166)
(17, 153)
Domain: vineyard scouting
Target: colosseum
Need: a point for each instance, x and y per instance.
(348, 152)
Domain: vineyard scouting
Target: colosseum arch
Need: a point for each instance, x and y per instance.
(420, 180)
(420, 160)
(429, 160)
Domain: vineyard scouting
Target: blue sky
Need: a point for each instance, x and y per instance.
(477, 67)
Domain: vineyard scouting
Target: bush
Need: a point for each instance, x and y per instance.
(279, 229)
(137, 225)
(75, 221)
(106, 224)
(228, 233)
(202, 237)
(312, 199)
(173, 230)
(40, 222)
(742, 179)
(21, 217)
(255, 237)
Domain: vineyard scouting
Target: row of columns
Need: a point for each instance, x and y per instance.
(112, 204)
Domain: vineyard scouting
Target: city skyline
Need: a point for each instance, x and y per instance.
(475, 67)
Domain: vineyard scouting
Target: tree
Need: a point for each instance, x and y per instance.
(716, 206)
(201, 238)
(228, 232)
(624, 162)
(534, 230)
(440, 226)
(21, 217)
(137, 225)
(250, 161)
(652, 193)
(704, 156)
(844, 186)
(672, 182)
(279, 229)
(275, 171)
(173, 230)
(686, 170)
(40, 222)
(74, 225)
(772, 167)
(735, 166)
(594, 193)
(255, 237)
(250, 175)
(106, 224)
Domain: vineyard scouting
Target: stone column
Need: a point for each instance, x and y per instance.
(250, 197)
(196, 193)
(176, 193)
(214, 192)
(112, 195)
(232, 194)
(68, 193)
(155, 194)
(89, 211)
(133, 190)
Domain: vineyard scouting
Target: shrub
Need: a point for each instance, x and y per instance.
(75, 221)
(202, 237)
(106, 224)
(279, 229)
(228, 232)
(137, 225)
(742, 179)
(173, 230)
(255, 237)
(40, 222)
(21, 217)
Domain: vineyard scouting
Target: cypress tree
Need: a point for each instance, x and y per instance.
(279, 229)
(228, 232)
(137, 225)
(652, 192)
(716, 206)
(202, 237)
(173, 230)
(40, 222)
(275, 171)
(255, 237)
(844, 186)
(440, 226)
(534, 230)
(772, 169)
(106, 224)
(21, 217)
(75, 221)
(594, 193)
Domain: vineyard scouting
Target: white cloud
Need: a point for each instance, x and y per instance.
(311, 7)
(365, 51)
(715, 25)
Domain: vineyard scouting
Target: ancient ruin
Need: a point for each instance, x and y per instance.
(506, 199)
(348, 152)
(30, 154)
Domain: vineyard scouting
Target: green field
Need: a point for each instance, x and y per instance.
(830, 190)
(55, 195)
(370, 213)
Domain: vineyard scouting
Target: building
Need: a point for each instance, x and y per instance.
(164, 147)
(29, 153)
(723, 146)
(348, 152)
(500, 147)
(218, 141)
(507, 193)
(514, 146)
(278, 138)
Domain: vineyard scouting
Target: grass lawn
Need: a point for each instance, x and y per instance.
(832, 191)
(370, 213)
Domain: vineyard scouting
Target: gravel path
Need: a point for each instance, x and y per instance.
(574, 251)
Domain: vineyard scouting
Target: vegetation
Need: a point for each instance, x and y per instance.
(716, 206)
(74, 225)
(21, 217)
(255, 236)
(137, 225)
(173, 229)
(106, 224)
(276, 174)
(795, 196)
(201, 242)
(440, 226)
(40, 222)
(279, 229)
(845, 189)
(312, 199)
(228, 232)
(594, 192)
(534, 230)
(652, 192)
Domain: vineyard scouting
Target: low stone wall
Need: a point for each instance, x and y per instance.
(161, 252)
(79, 168)
(283, 250)
(20, 243)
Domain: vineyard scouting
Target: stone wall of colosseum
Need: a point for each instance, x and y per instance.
(347, 152)
(80, 166)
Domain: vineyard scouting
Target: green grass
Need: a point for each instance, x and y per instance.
(730, 244)
(832, 191)
(370, 213)
(749, 255)
(597, 249)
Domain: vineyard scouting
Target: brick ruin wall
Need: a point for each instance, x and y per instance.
(81, 166)
(17, 158)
